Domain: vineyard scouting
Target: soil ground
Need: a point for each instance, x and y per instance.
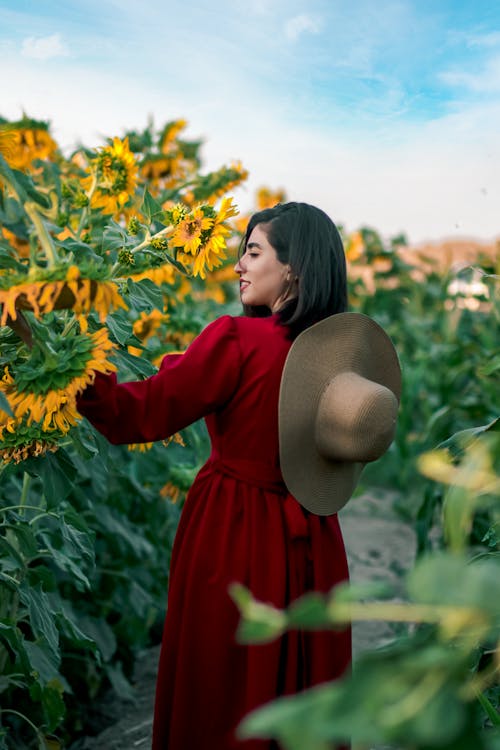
(379, 547)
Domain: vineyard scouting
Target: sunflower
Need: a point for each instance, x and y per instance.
(19, 441)
(144, 447)
(8, 145)
(21, 245)
(140, 447)
(145, 327)
(148, 323)
(215, 184)
(355, 246)
(71, 292)
(171, 491)
(45, 391)
(158, 167)
(188, 232)
(169, 134)
(164, 274)
(267, 198)
(225, 274)
(115, 172)
(24, 141)
(212, 253)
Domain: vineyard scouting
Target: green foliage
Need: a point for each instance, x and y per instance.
(86, 531)
(435, 687)
(86, 528)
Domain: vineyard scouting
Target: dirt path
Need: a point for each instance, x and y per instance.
(379, 547)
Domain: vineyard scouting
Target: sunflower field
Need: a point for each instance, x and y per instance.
(111, 258)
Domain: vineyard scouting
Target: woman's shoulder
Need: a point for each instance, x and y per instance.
(269, 325)
(245, 330)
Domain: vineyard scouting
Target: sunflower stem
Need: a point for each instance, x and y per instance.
(86, 210)
(69, 326)
(489, 709)
(26, 507)
(24, 493)
(43, 235)
(145, 243)
(39, 735)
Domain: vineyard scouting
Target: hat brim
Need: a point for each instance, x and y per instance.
(341, 343)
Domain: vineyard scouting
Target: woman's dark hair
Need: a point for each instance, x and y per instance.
(308, 240)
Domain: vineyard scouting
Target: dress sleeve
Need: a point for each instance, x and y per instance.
(186, 388)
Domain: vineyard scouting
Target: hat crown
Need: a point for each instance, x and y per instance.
(356, 419)
(339, 398)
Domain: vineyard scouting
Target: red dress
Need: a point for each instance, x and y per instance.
(239, 523)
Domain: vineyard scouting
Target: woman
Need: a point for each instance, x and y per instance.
(239, 523)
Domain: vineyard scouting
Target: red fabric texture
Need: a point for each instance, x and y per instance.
(239, 524)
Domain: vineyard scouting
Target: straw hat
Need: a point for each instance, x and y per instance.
(338, 405)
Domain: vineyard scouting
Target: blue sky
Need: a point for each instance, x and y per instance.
(383, 113)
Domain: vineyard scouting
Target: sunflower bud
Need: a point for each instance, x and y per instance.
(81, 200)
(66, 191)
(133, 226)
(159, 243)
(126, 257)
(62, 219)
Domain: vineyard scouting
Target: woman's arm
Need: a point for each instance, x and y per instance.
(186, 388)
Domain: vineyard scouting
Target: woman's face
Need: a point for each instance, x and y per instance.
(264, 279)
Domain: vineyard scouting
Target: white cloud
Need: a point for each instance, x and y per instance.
(431, 180)
(44, 47)
(491, 39)
(298, 25)
(487, 80)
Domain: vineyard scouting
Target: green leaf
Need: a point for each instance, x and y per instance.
(30, 189)
(296, 721)
(101, 633)
(443, 578)
(65, 563)
(12, 636)
(133, 367)
(83, 441)
(8, 260)
(176, 263)
(457, 443)
(41, 618)
(57, 472)
(119, 682)
(488, 368)
(68, 624)
(4, 405)
(121, 329)
(25, 539)
(10, 556)
(150, 206)
(144, 295)
(140, 599)
(83, 252)
(43, 665)
(12, 176)
(115, 236)
(310, 611)
(78, 543)
(53, 704)
(41, 574)
(260, 622)
(123, 531)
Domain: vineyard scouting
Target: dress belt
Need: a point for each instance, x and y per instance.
(255, 473)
